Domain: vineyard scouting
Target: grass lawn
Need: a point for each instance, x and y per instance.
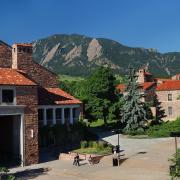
(97, 123)
(139, 137)
(70, 78)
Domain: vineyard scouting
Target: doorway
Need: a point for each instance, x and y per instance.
(10, 141)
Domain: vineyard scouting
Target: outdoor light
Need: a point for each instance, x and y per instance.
(31, 133)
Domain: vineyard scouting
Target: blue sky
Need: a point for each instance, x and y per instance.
(136, 23)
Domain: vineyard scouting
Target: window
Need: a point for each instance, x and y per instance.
(58, 116)
(169, 97)
(67, 115)
(24, 49)
(7, 96)
(41, 117)
(49, 116)
(19, 49)
(170, 111)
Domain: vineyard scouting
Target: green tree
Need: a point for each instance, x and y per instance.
(134, 114)
(160, 113)
(99, 94)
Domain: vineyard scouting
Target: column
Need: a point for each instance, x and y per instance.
(54, 116)
(71, 115)
(62, 115)
(45, 118)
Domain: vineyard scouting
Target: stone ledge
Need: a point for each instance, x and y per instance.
(70, 156)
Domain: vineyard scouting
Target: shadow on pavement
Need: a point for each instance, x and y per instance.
(122, 161)
(30, 173)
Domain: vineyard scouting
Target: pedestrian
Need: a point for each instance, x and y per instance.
(77, 160)
(90, 160)
(114, 150)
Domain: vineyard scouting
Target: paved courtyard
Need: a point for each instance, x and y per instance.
(145, 159)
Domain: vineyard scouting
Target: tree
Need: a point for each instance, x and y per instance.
(160, 113)
(133, 111)
(99, 94)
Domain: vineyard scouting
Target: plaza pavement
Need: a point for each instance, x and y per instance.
(145, 159)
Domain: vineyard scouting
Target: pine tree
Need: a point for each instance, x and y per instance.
(160, 113)
(134, 115)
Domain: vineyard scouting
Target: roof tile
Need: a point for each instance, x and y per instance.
(169, 85)
(13, 77)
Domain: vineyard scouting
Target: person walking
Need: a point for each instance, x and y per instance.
(76, 160)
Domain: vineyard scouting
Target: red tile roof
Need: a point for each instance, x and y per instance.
(145, 86)
(162, 79)
(121, 87)
(12, 77)
(169, 85)
(23, 44)
(69, 99)
(147, 74)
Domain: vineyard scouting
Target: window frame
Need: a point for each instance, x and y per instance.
(170, 109)
(41, 121)
(170, 97)
(58, 120)
(2, 88)
(49, 121)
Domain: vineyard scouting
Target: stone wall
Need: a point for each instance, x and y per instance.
(5, 56)
(176, 77)
(22, 60)
(175, 103)
(150, 94)
(27, 95)
(141, 77)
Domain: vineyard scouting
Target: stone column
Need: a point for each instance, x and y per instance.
(62, 115)
(54, 116)
(45, 118)
(71, 115)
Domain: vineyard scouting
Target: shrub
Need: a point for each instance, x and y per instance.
(164, 129)
(90, 144)
(175, 171)
(65, 135)
(84, 144)
(101, 145)
(95, 144)
(4, 175)
(137, 132)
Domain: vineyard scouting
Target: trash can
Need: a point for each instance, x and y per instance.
(115, 162)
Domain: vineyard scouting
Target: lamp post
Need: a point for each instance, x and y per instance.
(117, 131)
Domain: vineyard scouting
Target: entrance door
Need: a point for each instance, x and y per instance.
(10, 141)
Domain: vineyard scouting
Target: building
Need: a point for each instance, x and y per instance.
(167, 92)
(29, 98)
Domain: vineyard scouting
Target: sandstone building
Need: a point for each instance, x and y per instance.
(29, 98)
(167, 92)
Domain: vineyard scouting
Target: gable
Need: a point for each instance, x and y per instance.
(5, 55)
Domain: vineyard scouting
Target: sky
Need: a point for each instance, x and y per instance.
(135, 23)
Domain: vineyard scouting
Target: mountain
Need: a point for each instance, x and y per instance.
(80, 55)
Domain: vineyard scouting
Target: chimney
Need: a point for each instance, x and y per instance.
(21, 56)
(141, 75)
